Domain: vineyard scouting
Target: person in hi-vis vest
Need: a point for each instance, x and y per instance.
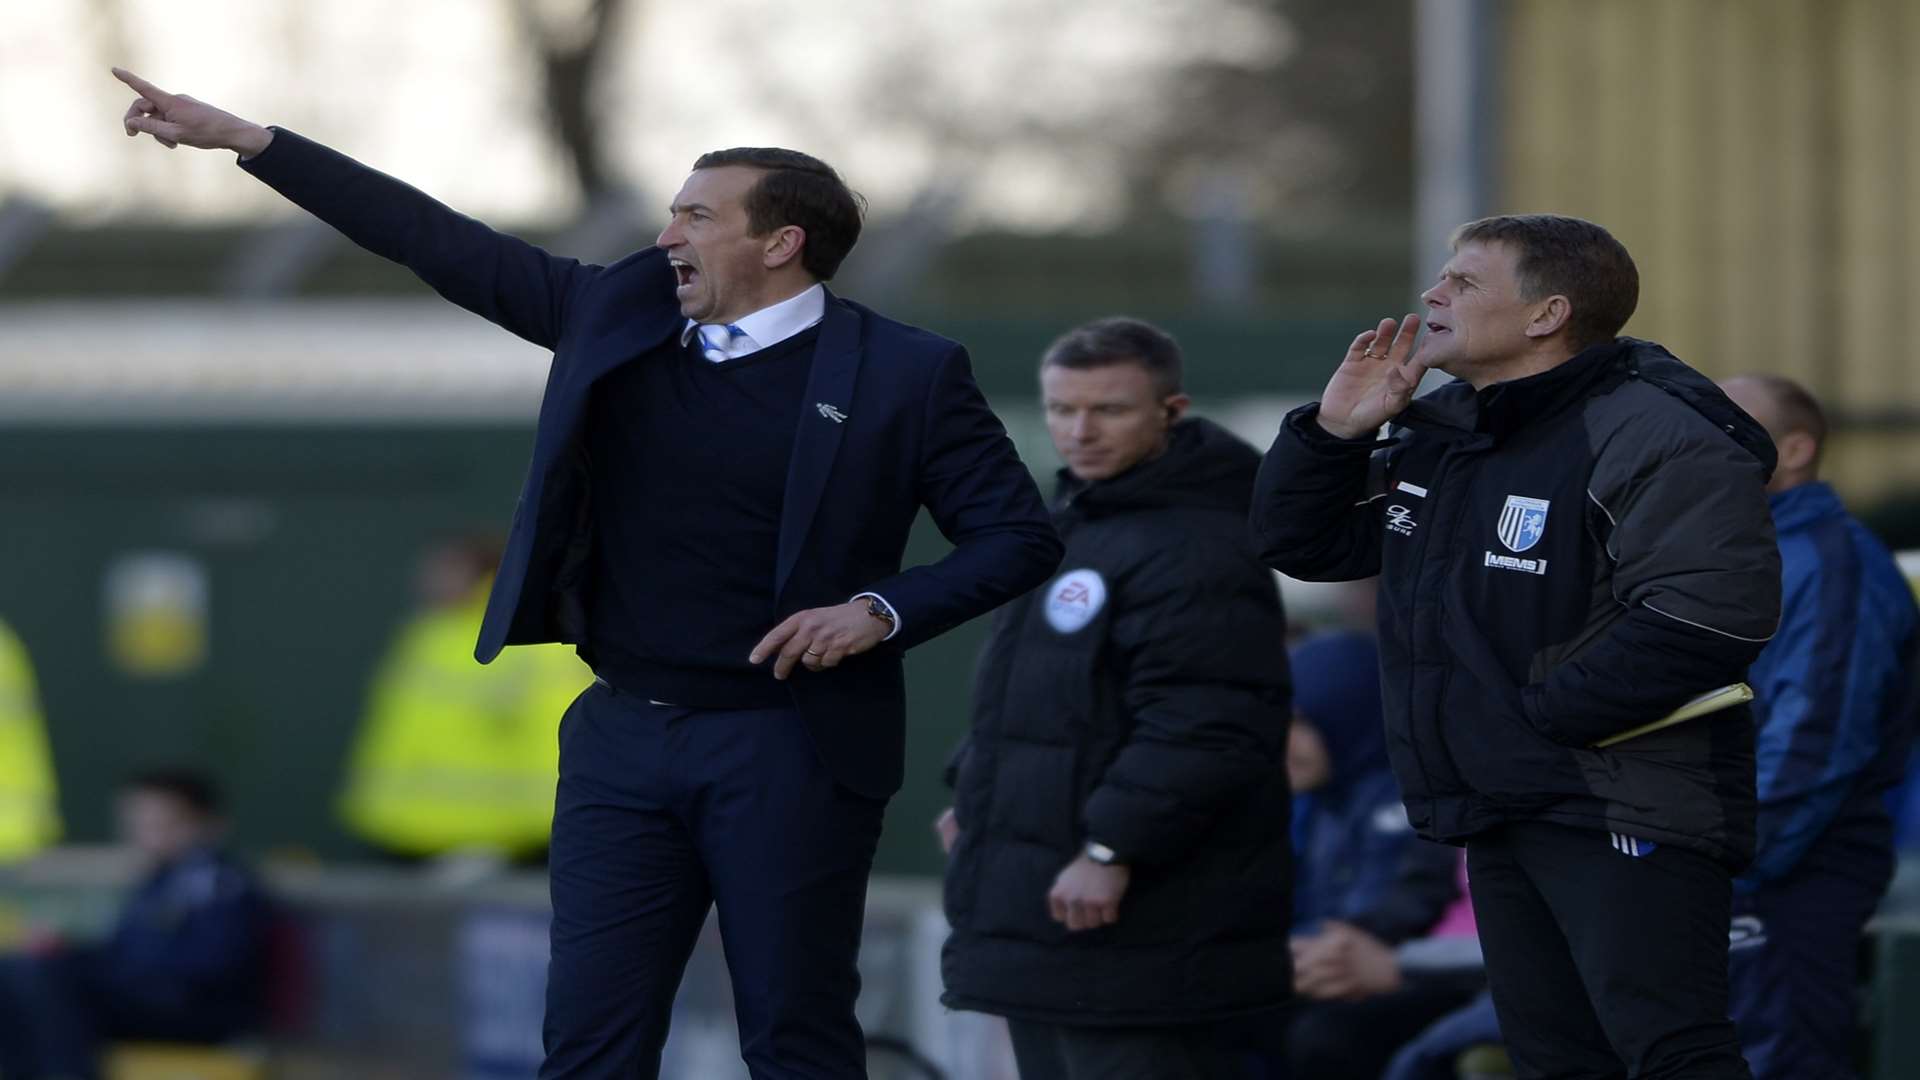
(453, 756)
(29, 811)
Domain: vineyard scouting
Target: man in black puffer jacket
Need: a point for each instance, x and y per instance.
(1573, 540)
(1119, 883)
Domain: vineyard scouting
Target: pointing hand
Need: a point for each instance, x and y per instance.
(178, 120)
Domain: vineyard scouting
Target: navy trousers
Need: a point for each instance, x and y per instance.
(1794, 973)
(663, 812)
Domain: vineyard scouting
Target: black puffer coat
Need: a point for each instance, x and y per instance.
(1139, 699)
(1563, 558)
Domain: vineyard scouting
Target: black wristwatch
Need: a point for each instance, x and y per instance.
(880, 611)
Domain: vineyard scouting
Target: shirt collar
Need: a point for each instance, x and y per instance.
(772, 325)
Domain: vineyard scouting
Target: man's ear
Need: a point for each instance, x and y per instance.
(1176, 406)
(1798, 451)
(784, 246)
(1550, 316)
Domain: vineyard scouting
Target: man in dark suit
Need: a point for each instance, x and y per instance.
(728, 461)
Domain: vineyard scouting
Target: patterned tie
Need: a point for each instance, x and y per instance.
(719, 343)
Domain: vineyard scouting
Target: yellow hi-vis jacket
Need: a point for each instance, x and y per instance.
(453, 755)
(29, 810)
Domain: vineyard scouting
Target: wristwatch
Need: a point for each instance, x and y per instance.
(1101, 853)
(880, 611)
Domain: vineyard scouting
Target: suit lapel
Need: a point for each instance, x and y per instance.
(627, 328)
(824, 415)
(620, 343)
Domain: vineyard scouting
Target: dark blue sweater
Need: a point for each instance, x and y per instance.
(676, 614)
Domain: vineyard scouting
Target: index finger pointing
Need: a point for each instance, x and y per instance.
(147, 90)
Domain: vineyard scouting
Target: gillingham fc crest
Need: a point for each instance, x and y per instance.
(1074, 598)
(1522, 522)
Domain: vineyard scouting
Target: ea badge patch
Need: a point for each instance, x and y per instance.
(1074, 598)
(1522, 522)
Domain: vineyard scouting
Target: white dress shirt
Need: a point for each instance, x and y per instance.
(769, 326)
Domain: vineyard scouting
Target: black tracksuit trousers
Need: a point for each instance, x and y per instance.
(1607, 955)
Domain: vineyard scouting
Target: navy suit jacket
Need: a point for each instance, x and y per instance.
(916, 431)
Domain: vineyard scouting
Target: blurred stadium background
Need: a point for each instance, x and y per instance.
(227, 437)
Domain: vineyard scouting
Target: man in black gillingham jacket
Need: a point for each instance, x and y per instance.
(727, 464)
(1573, 540)
(1119, 878)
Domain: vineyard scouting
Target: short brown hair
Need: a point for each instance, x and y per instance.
(1571, 257)
(1119, 340)
(191, 788)
(801, 190)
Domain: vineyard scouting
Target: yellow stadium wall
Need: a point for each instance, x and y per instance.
(1761, 159)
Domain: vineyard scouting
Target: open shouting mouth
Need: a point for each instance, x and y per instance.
(686, 277)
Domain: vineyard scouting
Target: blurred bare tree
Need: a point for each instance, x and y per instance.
(1329, 128)
(570, 38)
(1226, 120)
(1236, 116)
(1037, 115)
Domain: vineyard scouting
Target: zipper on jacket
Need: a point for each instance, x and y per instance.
(1421, 548)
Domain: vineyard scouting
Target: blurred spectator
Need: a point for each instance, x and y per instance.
(1369, 984)
(1365, 887)
(454, 757)
(185, 961)
(29, 814)
(1904, 801)
(1834, 720)
(1349, 828)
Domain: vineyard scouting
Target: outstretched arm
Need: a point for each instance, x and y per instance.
(498, 277)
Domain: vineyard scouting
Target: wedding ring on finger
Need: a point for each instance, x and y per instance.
(1371, 355)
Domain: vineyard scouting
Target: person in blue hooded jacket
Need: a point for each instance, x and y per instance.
(1349, 828)
(1834, 718)
(1364, 884)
